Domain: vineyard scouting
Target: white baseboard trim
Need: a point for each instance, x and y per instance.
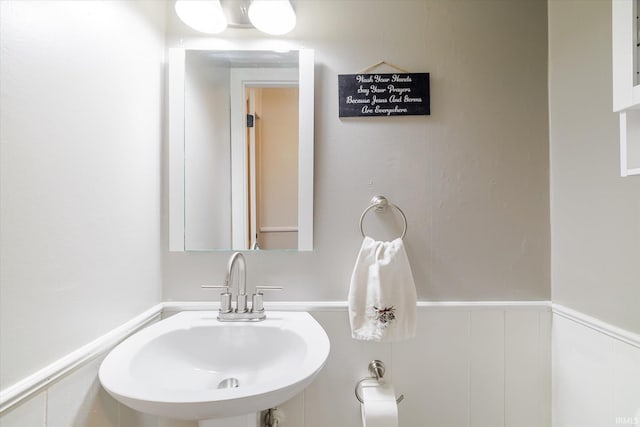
(40, 380)
(597, 325)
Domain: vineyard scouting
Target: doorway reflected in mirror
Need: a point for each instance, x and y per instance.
(241, 141)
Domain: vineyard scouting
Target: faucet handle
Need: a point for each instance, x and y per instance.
(225, 297)
(257, 299)
(267, 288)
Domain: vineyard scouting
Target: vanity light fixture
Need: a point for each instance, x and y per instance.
(275, 17)
(205, 16)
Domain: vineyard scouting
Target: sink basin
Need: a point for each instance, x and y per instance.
(192, 366)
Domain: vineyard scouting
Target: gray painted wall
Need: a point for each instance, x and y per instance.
(472, 178)
(595, 214)
(80, 156)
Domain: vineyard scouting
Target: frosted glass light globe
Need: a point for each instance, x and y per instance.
(205, 16)
(274, 17)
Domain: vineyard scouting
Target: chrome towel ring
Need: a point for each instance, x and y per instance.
(379, 203)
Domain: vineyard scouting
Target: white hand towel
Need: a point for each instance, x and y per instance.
(382, 295)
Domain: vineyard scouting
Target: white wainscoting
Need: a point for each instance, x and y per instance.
(471, 364)
(596, 372)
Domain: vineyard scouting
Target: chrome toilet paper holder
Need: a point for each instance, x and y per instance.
(376, 372)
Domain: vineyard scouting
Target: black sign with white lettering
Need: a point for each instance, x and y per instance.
(399, 94)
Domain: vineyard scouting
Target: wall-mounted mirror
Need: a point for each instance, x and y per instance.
(241, 149)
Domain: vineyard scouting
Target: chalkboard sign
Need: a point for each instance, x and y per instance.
(396, 94)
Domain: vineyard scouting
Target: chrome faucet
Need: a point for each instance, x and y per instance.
(237, 266)
(241, 296)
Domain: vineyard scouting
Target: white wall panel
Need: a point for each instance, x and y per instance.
(432, 371)
(452, 375)
(626, 383)
(79, 400)
(596, 377)
(31, 413)
(330, 399)
(487, 369)
(523, 376)
(544, 351)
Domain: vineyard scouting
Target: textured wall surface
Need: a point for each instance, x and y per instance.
(80, 153)
(595, 214)
(472, 178)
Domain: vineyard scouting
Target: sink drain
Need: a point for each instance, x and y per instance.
(229, 383)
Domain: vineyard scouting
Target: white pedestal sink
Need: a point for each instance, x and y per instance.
(192, 366)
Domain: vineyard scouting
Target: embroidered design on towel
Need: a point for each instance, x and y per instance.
(384, 315)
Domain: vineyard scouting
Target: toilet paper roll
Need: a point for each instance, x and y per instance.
(379, 408)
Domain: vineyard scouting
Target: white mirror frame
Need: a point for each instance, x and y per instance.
(629, 143)
(626, 88)
(177, 57)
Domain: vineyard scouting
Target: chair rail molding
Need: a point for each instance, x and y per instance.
(43, 378)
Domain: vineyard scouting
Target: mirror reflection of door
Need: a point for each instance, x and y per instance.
(272, 145)
(210, 190)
